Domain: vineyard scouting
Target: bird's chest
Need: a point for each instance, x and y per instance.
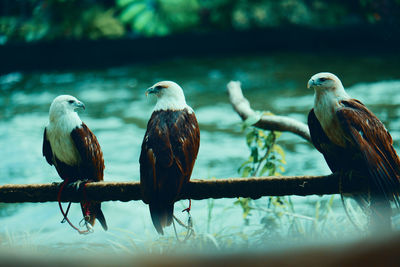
(326, 114)
(63, 147)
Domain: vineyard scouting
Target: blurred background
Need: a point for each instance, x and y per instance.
(34, 20)
(106, 53)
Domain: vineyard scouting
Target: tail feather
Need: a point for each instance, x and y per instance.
(161, 216)
(95, 213)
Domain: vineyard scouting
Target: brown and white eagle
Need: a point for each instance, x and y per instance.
(169, 151)
(353, 139)
(73, 149)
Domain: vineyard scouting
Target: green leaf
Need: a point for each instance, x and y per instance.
(279, 150)
(143, 20)
(122, 3)
(271, 138)
(246, 171)
(269, 165)
(129, 13)
(250, 137)
(260, 143)
(254, 154)
(277, 134)
(263, 170)
(268, 113)
(161, 28)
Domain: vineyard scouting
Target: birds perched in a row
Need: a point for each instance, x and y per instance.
(353, 140)
(350, 137)
(169, 151)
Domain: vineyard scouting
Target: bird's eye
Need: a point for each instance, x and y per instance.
(71, 101)
(159, 87)
(322, 79)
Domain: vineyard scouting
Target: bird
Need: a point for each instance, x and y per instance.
(73, 149)
(168, 153)
(353, 140)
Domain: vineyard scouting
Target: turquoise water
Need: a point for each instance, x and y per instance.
(117, 111)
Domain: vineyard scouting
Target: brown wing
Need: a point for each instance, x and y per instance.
(185, 140)
(169, 151)
(368, 135)
(46, 149)
(92, 162)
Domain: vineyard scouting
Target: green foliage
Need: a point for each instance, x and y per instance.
(61, 19)
(159, 17)
(266, 158)
(55, 19)
(270, 13)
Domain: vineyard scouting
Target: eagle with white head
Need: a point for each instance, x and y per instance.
(169, 151)
(73, 149)
(351, 138)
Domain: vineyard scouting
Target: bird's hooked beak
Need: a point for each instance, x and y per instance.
(79, 105)
(310, 83)
(152, 90)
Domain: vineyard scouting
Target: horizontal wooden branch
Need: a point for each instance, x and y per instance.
(267, 122)
(254, 187)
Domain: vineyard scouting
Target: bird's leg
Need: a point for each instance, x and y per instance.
(66, 213)
(62, 184)
(189, 226)
(188, 208)
(65, 219)
(86, 209)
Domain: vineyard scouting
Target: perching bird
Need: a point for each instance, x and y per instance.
(353, 139)
(169, 151)
(73, 149)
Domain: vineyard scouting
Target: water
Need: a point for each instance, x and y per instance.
(117, 112)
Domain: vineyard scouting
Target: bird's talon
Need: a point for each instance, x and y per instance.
(76, 184)
(188, 208)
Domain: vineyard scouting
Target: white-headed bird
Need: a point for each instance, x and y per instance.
(73, 149)
(352, 139)
(169, 151)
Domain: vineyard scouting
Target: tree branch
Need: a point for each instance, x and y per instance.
(253, 187)
(267, 122)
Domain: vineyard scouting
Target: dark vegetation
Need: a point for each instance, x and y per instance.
(33, 20)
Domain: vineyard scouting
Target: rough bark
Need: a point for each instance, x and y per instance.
(254, 187)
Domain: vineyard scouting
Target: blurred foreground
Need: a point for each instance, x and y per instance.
(375, 251)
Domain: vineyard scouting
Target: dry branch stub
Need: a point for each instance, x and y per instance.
(267, 122)
(253, 187)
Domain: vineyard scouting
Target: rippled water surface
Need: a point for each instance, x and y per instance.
(117, 111)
